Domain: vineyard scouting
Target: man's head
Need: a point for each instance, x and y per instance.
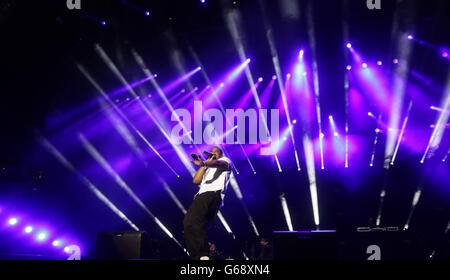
(264, 241)
(212, 247)
(217, 152)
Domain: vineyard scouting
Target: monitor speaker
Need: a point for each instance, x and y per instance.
(122, 245)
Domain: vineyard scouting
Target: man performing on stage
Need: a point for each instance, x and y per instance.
(213, 177)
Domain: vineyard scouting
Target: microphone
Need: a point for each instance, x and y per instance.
(194, 156)
(208, 154)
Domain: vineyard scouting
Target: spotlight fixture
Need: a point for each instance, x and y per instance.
(41, 236)
(274, 77)
(103, 22)
(395, 61)
(349, 67)
(13, 221)
(28, 229)
(349, 45)
(147, 13)
(379, 63)
(410, 37)
(57, 243)
(364, 65)
(260, 79)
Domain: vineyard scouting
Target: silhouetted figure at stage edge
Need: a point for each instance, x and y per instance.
(213, 176)
(215, 254)
(265, 252)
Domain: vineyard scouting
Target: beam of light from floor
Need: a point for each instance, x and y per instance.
(399, 86)
(399, 140)
(209, 85)
(148, 73)
(113, 94)
(178, 149)
(219, 139)
(172, 98)
(310, 167)
(285, 106)
(108, 168)
(345, 29)
(377, 132)
(312, 44)
(265, 96)
(226, 82)
(173, 196)
(439, 109)
(202, 93)
(228, 121)
(332, 125)
(91, 116)
(346, 88)
(374, 148)
(234, 184)
(125, 118)
(245, 100)
(169, 87)
(237, 191)
(447, 229)
(380, 208)
(233, 22)
(187, 95)
(286, 213)
(199, 63)
(439, 129)
(122, 129)
(63, 160)
(225, 224)
(446, 156)
(276, 65)
(413, 206)
(176, 56)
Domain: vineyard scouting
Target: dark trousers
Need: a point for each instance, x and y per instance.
(203, 209)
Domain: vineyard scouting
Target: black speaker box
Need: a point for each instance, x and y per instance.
(122, 245)
(304, 245)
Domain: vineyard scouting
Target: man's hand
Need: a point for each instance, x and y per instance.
(211, 158)
(198, 161)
